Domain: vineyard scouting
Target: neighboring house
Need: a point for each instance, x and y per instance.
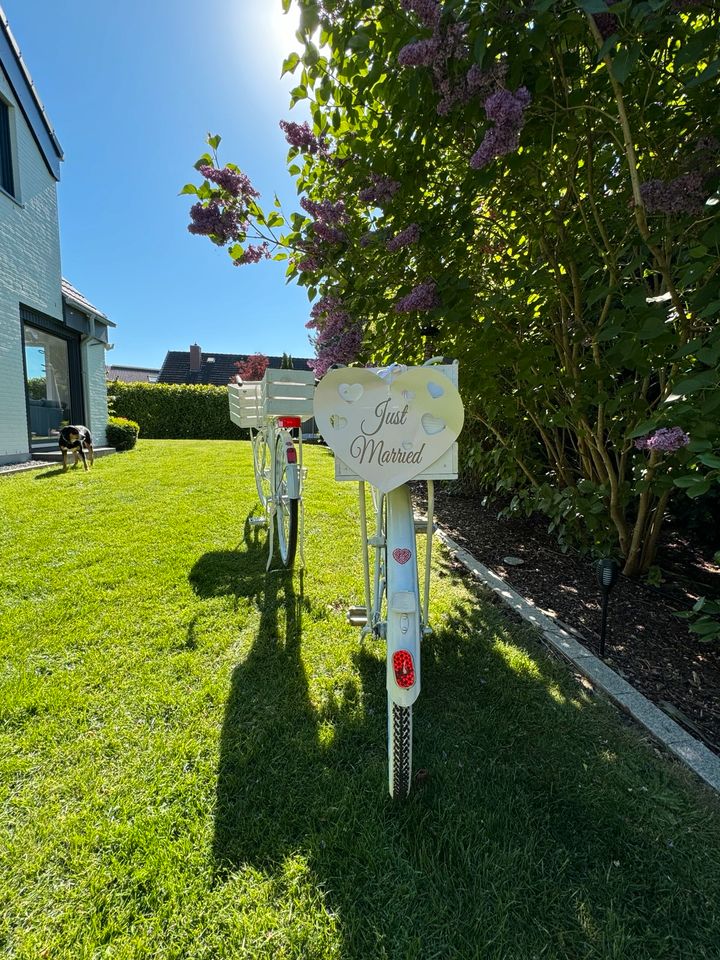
(133, 374)
(52, 340)
(194, 366)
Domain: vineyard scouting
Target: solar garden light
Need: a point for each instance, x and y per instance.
(606, 571)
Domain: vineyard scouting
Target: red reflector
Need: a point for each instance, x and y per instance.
(289, 422)
(404, 668)
(291, 455)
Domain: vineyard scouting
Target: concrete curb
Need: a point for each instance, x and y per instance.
(692, 752)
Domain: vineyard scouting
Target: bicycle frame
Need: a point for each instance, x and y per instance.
(276, 441)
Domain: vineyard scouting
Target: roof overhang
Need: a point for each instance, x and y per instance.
(22, 86)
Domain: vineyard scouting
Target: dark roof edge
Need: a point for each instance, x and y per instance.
(18, 76)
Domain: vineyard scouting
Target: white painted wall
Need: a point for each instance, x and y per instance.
(29, 272)
(95, 389)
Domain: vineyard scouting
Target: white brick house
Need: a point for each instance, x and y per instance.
(52, 340)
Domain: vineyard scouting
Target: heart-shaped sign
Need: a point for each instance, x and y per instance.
(401, 554)
(391, 431)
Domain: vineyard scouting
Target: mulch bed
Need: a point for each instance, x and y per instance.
(646, 644)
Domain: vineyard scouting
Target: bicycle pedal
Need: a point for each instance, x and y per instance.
(357, 616)
(257, 521)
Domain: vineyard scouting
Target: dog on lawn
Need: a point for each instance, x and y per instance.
(78, 441)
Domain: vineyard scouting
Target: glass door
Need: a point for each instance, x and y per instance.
(48, 384)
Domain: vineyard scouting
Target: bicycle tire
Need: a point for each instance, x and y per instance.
(399, 749)
(262, 465)
(286, 507)
(402, 581)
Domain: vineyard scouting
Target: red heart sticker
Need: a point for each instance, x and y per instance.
(401, 554)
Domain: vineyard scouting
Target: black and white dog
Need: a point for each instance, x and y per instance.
(77, 440)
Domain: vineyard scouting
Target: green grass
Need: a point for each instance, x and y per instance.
(192, 752)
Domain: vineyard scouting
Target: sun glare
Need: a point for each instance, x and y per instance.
(282, 28)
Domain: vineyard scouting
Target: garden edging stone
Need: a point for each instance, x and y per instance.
(671, 735)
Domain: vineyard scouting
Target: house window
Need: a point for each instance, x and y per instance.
(6, 164)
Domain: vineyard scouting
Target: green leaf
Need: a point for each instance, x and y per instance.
(189, 188)
(687, 481)
(710, 460)
(290, 63)
(214, 141)
(593, 6)
(710, 71)
(623, 63)
(359, 41)
(275, 220)
(701, 381)
(699, 490)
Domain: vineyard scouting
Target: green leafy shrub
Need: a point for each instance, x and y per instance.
(122, 433)
(170, 411)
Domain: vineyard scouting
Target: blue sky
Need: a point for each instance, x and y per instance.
(131, 90)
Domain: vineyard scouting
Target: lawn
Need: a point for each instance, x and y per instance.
(192, 756)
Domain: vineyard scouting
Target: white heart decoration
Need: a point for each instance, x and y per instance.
(350, 392)
(431, 424)
(435, 390)
(394, 430)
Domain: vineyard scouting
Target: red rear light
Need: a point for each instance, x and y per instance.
(404, 668)
(289, 422)
(291, 454)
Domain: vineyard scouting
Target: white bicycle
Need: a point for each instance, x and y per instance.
(396, 610)
(273, 409)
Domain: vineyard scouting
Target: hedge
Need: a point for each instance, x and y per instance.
(170, 411)
(122, 433)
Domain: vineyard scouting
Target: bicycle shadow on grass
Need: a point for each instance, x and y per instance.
(503, 837)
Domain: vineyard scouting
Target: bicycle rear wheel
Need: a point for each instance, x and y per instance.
(286, 499)
(262, 463)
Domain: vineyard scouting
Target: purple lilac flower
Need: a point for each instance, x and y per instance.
(381, 190)
(423, 297)
(233, 182)
(214, 221)
(683, 195)
(324, 231)
(476, 82)
(326, 210)
(427, 11)
(407, 236)
(339, 336)
(309, 264)
(420, 53)
(301, 136)
(666, 439)
(507, 110)
(253, 254)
